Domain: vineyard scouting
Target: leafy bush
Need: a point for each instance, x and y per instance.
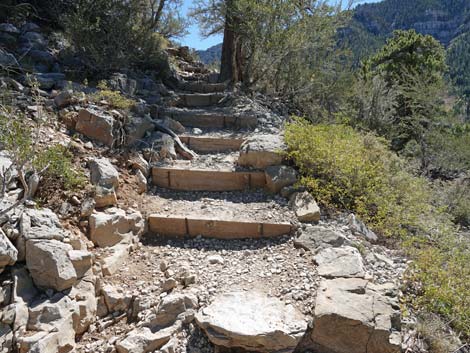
(20, 141)
(114, 98)
(109, 35)
(439, 280)
(346, 169)
(455, 197)
(449, 150)
(59, 169)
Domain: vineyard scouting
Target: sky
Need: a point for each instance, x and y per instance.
(195, 40)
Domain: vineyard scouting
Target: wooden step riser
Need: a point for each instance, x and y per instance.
(199, 100)
(213, 121)
(211, 144)
(204, 180)
(213, 228)
(201, 87)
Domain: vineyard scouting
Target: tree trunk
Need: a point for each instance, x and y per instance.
(231, 62)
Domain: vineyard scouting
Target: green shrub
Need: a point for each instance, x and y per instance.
(19, 139)
(345, 169)
(455, 197)
(114, 98)
(60, 170)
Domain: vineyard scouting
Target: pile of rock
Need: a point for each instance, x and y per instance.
(352, 314)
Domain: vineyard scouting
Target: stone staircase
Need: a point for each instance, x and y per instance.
(221, 135)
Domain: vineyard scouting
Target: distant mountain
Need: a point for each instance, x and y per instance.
(443, 19)
(210, 55)
(446, 20)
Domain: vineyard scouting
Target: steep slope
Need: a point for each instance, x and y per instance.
(443, 19)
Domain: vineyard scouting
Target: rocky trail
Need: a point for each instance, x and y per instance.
(221, 252)
(219, 231)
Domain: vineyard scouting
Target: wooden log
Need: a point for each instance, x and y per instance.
(215, 228)
(212, 144)
(207, 180)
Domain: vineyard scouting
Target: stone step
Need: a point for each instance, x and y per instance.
(214, 228)
(196, 67)
(202, 144)
(207, 180)
(210, 119)
(202, 87)
(195, 100)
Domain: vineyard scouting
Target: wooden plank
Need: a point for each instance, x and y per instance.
(172, 226)
(215, 228)
(203, 87)
(189, 119)
(207, 180)
(212, 144)
(223, 229)
(241, 122)
(276, 229)
(200, 99)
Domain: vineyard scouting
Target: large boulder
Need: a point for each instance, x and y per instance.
(38, 224)
(261, 151)
(359, 228)
(172, 308)
(103, 173)
(305, 207)
(252, 321)
(115, 298)
(8, 60)
(50, 326)
(47, 80)
(278, 177)
(45, 315)
(96, 125)
(105, 196)
(41, 224)
(8, 253)
(143, 340)
(351, 316)
(137, 128)
(340, 262)
(49, 264)
(83, 292)
(315, 238)
(115, 225)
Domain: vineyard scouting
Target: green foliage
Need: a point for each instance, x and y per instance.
(408, 52)
(287, 48)
(20, 140)
(439, 280)
(110, 35)
(400, 89)
(345, 169)
(458, 59)
(449, 150)
(454, 195)
(114, 98)
(56, 161)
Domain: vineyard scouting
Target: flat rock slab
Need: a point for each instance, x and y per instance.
(315, 238)
(351, 316)
(340, 262)
(252, 321)
(262, 151)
